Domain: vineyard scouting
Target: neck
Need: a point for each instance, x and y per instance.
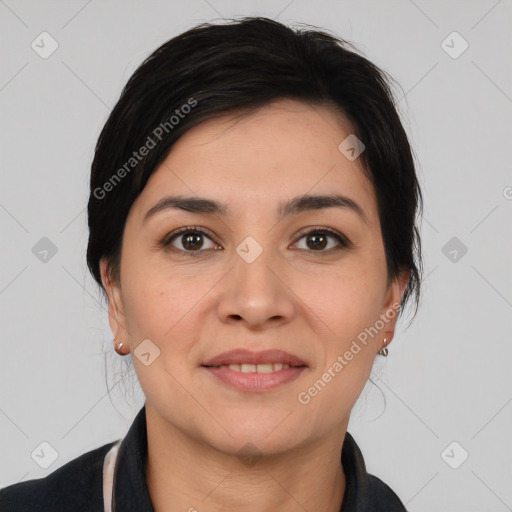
(184, 474)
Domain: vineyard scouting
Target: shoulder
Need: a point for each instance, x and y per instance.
(364, 491)
(380, 494)
(77, 486)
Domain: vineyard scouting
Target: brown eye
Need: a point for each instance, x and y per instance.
(192, 241)
(189, 240)
(318, 239)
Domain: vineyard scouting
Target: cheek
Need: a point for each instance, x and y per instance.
(347, 300)
(146, 297)
(167, 306)
(152, 310)
(349, 304)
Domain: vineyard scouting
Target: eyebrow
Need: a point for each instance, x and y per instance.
(294, 206)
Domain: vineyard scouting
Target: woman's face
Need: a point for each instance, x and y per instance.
(255, 280)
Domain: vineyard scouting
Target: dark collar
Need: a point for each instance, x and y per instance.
(130, 492)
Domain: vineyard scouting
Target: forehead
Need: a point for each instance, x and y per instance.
(278, 151)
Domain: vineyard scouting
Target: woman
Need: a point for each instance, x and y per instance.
(252, 219)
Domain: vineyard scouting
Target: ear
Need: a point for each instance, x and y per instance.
(389, 312)
(116, 316)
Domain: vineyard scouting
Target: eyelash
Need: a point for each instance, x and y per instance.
(168, 239)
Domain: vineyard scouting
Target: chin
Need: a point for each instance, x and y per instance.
(249, 448)
(274, 433)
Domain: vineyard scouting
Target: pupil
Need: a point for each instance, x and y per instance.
(194, 241)
(316, 244)
(191, 241)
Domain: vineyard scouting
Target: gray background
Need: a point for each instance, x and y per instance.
(447, 377)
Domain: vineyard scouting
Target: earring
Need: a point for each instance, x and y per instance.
(118, 348)
(384, 351)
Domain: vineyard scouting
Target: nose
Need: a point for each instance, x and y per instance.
(257, 294)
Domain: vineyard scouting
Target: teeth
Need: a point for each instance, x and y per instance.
(259, 368)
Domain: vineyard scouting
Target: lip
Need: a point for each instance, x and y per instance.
(254, 381)
(240, 356)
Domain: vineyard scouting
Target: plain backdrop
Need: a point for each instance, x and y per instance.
(437, 425)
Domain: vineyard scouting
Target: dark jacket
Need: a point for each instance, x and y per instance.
(78, 485)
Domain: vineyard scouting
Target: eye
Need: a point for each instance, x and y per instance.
(318, 239)
(190, 238)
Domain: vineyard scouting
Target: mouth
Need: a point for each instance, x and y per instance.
(255, 371)
(247, 359)
(258, 368)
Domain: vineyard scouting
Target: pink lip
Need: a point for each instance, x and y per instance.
(254, 381)
(240, 356)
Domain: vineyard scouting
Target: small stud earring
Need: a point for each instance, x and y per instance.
(384, 351)
(118, 348)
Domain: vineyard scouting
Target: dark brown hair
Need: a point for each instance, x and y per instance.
(238, 66)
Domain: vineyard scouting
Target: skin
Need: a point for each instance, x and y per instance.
(311, 302)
